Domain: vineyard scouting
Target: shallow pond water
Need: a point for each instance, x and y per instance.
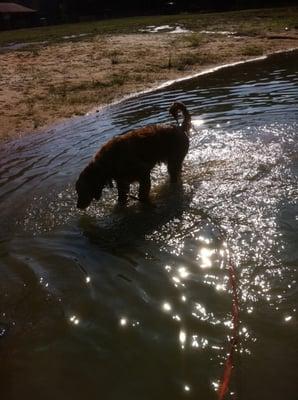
(136, 303)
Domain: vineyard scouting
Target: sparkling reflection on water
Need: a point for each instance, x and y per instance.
(136, 303)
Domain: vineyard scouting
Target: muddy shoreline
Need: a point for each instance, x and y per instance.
(49, 83)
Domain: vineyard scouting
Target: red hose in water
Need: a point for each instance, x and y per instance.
(229, 363)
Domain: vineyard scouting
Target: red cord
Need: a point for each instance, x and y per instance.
(229, 363)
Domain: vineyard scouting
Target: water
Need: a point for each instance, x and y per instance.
(136, 303)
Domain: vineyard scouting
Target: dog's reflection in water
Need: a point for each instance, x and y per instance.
(124, 226)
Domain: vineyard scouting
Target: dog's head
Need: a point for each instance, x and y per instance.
(90, 184)
(175, 108)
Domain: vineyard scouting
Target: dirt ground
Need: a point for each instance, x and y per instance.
(45, 84)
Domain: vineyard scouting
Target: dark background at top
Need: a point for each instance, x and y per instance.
(71, 10)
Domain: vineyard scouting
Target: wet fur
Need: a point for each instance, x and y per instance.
(130, 157)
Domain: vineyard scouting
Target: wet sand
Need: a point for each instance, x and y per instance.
(48, 83)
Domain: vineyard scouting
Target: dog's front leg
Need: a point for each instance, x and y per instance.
(174, 169)
(123, 189)
(145, 186)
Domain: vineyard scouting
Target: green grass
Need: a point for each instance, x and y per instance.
(254, 21)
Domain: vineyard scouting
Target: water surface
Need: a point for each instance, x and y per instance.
(136, 303)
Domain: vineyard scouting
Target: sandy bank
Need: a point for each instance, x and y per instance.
(47, 83)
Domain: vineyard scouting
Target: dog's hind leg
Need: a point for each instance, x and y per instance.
(145, 186)
(123, 189)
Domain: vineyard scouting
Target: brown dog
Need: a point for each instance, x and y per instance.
(130, 157)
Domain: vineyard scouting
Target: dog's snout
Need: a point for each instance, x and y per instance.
(82, 204)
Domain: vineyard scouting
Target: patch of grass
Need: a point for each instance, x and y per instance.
(35, 52)
(31, 113)
(193, 40)
(76, 99)
(29, 103)
(81, 93)
(140, 77)
(118, 80)
(252, 50)
(184, 61)
(114, 56)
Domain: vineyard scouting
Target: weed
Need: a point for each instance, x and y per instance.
(193, 40)
(29, 102)
(114, 56)
(252, 50)
(118, 80)
(170, 61)
(186, 60)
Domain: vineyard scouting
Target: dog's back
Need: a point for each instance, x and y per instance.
(151, 144)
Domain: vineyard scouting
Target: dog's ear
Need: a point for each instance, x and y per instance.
(89, 172)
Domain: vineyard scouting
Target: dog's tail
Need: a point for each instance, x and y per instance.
(174, 111)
